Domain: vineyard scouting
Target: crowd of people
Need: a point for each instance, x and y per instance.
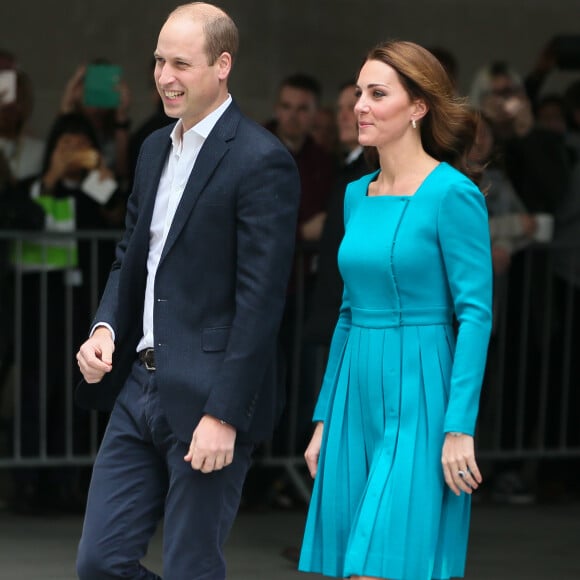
(528, 145)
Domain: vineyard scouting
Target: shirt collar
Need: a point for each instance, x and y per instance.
(200, 131)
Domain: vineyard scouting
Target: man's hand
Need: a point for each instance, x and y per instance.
(95, 357)
(311, 230)
(212, 445)
(501, 259)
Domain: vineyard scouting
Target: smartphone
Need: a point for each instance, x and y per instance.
(567, 51)
(7, 86)
(101, 86)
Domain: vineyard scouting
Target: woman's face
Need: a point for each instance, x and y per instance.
(75, 151)
(71, 142)
(384, 109)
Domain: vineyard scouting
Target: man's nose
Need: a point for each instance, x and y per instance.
(165, 75)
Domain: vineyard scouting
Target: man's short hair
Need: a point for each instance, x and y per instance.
(303, 82)
(220, 31)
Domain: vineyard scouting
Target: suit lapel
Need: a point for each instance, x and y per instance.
(210, 155)
(154, 166)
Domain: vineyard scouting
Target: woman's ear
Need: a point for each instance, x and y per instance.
(421, 109)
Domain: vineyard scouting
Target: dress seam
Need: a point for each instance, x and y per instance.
(391, 257)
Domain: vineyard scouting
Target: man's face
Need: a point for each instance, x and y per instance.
(345, 117)
(504, 101)
(295, 113)
(551, 116)
(189, 87)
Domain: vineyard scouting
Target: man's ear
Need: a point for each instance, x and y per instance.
(224, 65)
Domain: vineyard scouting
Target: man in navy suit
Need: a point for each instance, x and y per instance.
(183, 344)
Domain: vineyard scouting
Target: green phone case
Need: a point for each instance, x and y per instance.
(101, 86)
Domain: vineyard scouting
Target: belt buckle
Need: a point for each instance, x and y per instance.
(149, 359)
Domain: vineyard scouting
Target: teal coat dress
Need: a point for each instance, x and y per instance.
(399, 377)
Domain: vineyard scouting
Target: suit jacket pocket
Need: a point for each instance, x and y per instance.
(215, 339)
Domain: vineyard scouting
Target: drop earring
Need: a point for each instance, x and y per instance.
(413, 123)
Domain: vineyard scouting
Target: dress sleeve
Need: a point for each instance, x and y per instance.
(465, 245)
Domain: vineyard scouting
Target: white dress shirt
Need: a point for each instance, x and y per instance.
(184, 151)
(185, 147)
(353, 155)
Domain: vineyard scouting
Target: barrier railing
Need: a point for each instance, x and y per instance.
(531, 396)
(44, 315)
(530, 401)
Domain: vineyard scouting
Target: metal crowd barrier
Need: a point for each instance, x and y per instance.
(531, 397)
(40, 425)
(530, 400)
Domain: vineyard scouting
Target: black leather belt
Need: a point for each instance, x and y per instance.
(147, 357)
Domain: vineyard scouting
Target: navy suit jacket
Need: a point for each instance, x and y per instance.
(220, 284)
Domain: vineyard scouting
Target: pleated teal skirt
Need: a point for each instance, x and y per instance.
(380, 506)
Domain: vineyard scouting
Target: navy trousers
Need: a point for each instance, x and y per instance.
(140, 477)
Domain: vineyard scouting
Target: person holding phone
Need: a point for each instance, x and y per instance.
(99, 91)
(22, 152)
(498, 91)
(61, 195)
(183, 346)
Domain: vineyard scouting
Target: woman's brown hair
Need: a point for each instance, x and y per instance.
(449, 128)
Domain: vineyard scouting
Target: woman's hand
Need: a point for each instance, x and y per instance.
(122, 112)
(72, 97)
(104, 170)
(459, 466)
(56, 169)
(312, 452)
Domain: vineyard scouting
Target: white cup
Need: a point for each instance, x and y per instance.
(544, 227)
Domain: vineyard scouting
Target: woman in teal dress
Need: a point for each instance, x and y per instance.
(392, 452)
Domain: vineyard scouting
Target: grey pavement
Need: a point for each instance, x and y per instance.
(507, 542)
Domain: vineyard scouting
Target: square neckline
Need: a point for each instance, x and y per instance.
(402, 195)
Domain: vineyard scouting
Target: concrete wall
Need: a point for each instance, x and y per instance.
(327, 38)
